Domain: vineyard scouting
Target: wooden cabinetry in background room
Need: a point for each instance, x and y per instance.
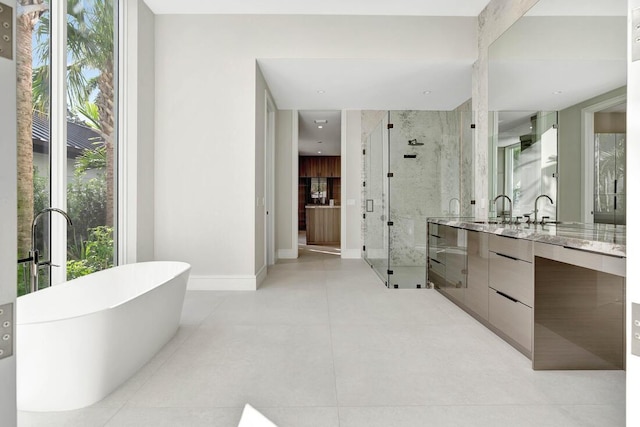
(302, 201)
(319, 166)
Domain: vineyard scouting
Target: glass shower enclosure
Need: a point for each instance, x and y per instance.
(417, 164)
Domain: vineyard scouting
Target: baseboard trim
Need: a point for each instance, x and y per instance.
(288, 253)
(351, 254)
(224, 283)
(262, 274)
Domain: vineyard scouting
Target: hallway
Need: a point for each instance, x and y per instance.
(324, 343)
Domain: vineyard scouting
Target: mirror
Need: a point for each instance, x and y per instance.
(553, 76)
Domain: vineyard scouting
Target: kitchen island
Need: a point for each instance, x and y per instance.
(323, 224)
(554, 291)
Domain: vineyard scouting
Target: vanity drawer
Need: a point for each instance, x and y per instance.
(516, 248)
(438, 254)
(511, 317)
(514, 277)
(434, 230)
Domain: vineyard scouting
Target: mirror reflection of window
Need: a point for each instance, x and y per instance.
(319, 190)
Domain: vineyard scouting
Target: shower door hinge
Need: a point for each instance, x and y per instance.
(6, 330)
(390, 223)
(364, 152)
(390, 126)
(364, 216)
(390, 175)
(364, 184)
(364, 248)
(473, 125)
(389, 271)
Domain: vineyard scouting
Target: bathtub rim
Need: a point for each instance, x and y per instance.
(186, 267)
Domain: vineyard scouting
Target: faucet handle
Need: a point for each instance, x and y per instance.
(517, 221)
(543, 218)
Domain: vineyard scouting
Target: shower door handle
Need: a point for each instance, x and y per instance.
(369, 207)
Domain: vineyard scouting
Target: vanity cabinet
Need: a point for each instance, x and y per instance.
(455, 262)
(561, 304)
(511, 289)
(580, 310)
(477, 292)
(436, 255)
(447, 263)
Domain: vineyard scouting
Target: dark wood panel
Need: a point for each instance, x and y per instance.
(319, 166)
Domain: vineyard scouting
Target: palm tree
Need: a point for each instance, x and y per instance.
(29, 13)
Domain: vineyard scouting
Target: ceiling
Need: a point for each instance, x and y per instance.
(366, 84)
(313, 141)
(326, 7)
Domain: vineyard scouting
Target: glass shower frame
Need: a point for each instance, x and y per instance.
(412, 170)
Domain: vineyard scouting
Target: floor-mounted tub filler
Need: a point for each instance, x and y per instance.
(78, 341)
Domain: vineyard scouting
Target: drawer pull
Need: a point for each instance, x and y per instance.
(435, 260)
(502, 294)
(507, 256)
(592, 252)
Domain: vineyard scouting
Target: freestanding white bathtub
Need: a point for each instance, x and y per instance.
(78, 341)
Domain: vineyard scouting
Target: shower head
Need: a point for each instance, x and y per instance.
(415, 142)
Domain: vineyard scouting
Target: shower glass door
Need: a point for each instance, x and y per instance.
(610, 173)
(375, 207)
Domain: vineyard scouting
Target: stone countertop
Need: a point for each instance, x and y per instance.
(604, 239)
(321, 206)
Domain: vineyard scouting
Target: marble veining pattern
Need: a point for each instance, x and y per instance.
(600, 238)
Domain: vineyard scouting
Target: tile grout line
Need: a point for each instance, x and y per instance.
(333, 362)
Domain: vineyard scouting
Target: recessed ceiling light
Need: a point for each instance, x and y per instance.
(426, 92)
(556, 92)
(319, 152)
(320, 121)
(319, 126)
(320, 92)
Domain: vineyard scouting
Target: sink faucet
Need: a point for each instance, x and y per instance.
(535, 207)
(451, 200)
(34, 254)
(510, 206)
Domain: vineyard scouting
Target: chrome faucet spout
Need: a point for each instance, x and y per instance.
(510, 206)
(34, 254)
(535, 207)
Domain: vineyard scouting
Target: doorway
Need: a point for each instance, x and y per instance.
(319, 180)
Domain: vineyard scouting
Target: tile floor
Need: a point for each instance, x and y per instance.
(324, 343)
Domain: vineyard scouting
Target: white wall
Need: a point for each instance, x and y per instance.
(286, 213)
(8, 221)
(138, 135)
(633, 228)
(262, 92)
(146, 133)
(351, 209)
(206, 119)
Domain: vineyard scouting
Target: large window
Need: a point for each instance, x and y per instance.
(67, 69)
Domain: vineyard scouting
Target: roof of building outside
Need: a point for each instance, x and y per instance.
(79, 136)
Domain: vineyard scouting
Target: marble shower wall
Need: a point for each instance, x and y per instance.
(422, 186)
